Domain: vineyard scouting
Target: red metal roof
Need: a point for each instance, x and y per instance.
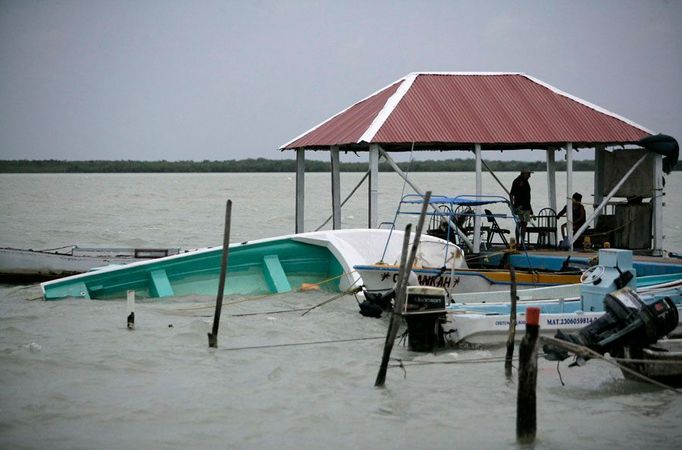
(456, 110)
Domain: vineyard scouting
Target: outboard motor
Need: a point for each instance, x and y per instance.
(630, 321)
(424, 313)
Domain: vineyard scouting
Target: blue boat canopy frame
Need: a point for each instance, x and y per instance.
(445, 208)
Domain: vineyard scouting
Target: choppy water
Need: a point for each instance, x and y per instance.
(73, 376)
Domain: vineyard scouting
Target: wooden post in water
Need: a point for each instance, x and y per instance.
(401, 290)
(512, 324)
(130, 307)
(526, 416)
(213, 335)
(394, 323)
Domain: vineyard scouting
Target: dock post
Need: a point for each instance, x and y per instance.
(512, 324)
(130, 307)
(406, 263)
(213, 335)
(526, 414)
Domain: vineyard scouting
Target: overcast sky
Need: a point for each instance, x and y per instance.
(219, 80)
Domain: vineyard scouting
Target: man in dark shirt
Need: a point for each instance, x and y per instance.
(520, 200)
(579, 216)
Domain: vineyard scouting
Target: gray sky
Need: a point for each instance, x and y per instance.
(235, 79)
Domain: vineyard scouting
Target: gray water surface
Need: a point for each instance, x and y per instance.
(73, 376)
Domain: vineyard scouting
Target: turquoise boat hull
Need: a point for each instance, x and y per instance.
(253, 269)
(323, 259)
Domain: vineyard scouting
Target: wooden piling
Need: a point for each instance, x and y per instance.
(401, 289)
(130, 307)
(526, 415)
(512, 324)
(213, 335)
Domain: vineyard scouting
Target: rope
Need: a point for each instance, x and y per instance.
(580, 350)
(260, 297)
(342, 294)
(494, 359)
(298, 344)
(72, 247)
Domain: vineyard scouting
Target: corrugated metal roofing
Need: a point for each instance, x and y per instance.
(457, 110)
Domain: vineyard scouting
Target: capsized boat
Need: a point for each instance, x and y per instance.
(452, 219)
(259, 267)
(18, 264)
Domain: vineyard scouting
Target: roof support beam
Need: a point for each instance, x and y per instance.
(569, 194)
(599, 154)
(551, 187)
(479, 192)
(373, 207)
(300, 189)
(551, 178)
(336, 187)
(657, 202)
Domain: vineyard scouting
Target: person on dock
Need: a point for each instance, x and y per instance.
(520, 200)
(579, 215)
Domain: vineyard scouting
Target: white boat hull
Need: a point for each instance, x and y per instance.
(22, 263)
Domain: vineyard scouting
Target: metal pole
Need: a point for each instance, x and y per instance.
(479, 192)
(569, 194)
(373, 207)
(336, 187)
(300, 190)
(213, 335)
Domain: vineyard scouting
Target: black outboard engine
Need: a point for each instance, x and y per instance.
(629, 321)
(424, 314)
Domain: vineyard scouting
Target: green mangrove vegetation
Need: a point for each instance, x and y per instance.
(263, 165)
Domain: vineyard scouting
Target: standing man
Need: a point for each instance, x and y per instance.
(520, 200)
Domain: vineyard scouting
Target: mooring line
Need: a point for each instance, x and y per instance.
(298, 344)
(580, 350)
(496, 359)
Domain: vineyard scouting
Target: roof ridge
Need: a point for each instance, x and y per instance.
(282, 147)
(588, 104)
(388, 108)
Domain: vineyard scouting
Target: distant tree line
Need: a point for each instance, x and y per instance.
(264, 165)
